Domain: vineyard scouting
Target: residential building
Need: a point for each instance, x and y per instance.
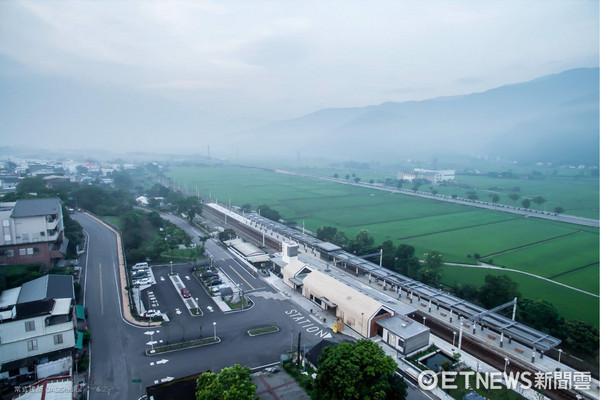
(37, 324)
(32, 232)
(434, 176)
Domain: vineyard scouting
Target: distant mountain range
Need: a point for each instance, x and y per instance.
(550, 119)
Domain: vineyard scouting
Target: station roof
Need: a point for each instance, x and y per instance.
(340, 294)
(247, 249)
(516, 330)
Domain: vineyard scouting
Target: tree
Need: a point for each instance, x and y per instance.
(526, 203)
(122, 180)
(405, 261)
(336, 175)
(498, 289)
(471, 195)
(190, 206)
(539, 200)
(539, 314)
(267, 212)
(340, 239)
(559, 210)
(514, 196)
(347, 177)
(431, 272)
(580, 336)
(362, 243)
(467, 291)
(494, 198)
(35, 185)
(232, 383)
(389, 251)
(326, 233)
(358, 371)
(246, 208)
(227, 234)
(357, 179)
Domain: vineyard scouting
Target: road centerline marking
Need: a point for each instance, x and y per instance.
(101, 294)
(238, 274)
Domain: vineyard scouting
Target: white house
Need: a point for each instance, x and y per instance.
(37, 324)
(32, 232)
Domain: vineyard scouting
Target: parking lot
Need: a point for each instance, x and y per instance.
(166, 297)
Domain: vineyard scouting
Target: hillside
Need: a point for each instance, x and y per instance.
(551, 119)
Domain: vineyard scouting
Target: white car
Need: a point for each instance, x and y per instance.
(152, 313)
(140, 265)
(143, 281)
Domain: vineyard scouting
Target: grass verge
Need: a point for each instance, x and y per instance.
(183, 345)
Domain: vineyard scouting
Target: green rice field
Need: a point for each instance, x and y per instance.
(564, 252)
(570, 303)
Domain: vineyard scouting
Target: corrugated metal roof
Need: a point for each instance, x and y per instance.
(47, 287)
(35, 207)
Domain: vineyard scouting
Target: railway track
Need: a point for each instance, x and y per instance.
(489, 356)
(438, 328)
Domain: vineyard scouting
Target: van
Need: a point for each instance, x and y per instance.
(140, 265)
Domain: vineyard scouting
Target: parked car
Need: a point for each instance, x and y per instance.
(152, 313)
(140, 266)
(139, 274)
(185, 293)
(143, 281)
(215, 282)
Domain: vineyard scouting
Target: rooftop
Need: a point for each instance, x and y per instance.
(36, 207)
(402, 326)
(47, 287)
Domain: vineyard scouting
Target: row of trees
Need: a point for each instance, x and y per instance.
(401, 258)
(264, 210)
(165, 199)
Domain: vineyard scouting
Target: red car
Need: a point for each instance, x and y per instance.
(185, 293)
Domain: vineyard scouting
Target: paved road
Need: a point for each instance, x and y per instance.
(113, 363)
(117, 348)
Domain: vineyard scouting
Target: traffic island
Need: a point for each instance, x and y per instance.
(263, 331)
(183, 345)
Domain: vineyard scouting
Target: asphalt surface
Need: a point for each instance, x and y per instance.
(117, 347)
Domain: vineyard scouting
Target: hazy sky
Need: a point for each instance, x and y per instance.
(268, 60)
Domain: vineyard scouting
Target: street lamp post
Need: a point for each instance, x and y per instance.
(291, 341)
(214, 330)
(453, 338)
(424, 318)
(559, 354)
(171, 267)
(506, 362)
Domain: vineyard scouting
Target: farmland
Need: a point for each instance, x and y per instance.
(564, 252)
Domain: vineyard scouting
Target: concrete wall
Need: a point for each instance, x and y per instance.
(14, 338)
